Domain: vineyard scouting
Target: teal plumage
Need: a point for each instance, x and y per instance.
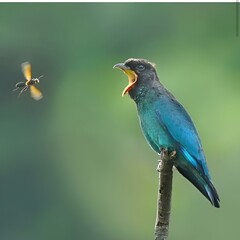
(166, 124)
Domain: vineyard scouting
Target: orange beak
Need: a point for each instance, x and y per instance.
(132, 76)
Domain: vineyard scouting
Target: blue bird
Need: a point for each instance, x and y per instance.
(166, 124)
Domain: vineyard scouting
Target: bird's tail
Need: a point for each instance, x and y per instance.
(200, 181)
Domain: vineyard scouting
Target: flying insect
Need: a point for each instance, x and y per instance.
(27, 72)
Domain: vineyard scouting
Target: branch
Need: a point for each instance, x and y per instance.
(164, 194)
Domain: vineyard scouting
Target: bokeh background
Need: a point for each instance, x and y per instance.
(75, 164)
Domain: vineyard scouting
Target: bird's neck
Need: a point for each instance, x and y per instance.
(138, 93)
(141, 92)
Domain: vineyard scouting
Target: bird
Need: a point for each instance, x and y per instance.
(29, 83)
(167, 125)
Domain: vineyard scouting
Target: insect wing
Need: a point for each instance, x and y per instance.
(27, 71)
(35, 93)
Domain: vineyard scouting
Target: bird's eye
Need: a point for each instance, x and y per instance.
(140, 67)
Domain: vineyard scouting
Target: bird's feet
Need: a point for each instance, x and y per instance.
(172, 154)
(165, 154)
(159, 165)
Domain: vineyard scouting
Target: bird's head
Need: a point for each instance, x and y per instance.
(139, 72)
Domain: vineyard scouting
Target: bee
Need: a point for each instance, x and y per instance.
(27, 72)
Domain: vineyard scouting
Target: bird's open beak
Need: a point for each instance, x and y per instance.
(132, 76)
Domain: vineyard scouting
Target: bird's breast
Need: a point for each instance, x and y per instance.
(152, 128)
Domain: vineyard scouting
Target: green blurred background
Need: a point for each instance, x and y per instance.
(75, 164)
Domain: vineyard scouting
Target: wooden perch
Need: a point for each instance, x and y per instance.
(165, 169)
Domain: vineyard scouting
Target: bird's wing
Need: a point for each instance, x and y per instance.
(179, 125)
